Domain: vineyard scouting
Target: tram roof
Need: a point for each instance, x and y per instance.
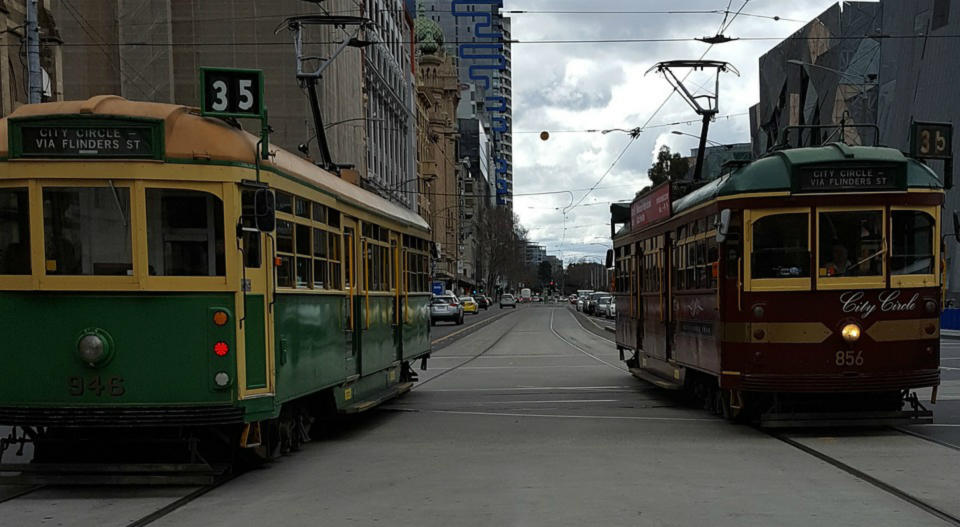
(775, 172)
(193, 138)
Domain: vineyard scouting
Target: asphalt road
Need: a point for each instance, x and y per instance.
(533, 421)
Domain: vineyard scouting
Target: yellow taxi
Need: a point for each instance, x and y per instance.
(469, 305)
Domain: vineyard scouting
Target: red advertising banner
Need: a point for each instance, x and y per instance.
(651, 207)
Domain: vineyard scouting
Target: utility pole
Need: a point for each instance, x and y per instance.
(34, 73)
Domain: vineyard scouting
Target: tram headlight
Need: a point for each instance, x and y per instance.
(222, 379)
(91, 349)
(850, 333)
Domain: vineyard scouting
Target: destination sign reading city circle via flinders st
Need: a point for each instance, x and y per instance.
(105, 140)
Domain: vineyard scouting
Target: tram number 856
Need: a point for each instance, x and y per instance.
(849, 358)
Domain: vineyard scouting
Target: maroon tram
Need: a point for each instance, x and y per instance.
(802, 288)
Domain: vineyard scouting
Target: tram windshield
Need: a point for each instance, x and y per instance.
(14, 232)
(87, 230)
(781, 246)
(184, 233)
(912, 247)
(851, 243)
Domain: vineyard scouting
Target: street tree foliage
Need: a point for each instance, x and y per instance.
(669, 166)
(545, 273)
(502, 240)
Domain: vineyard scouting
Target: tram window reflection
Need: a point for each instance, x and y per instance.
(184, 233)
(87, 231)
(781, 247)
(14, 231)
(912, 247)
(851, 243)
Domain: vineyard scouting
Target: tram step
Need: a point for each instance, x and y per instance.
(363, 406)
(656, 380)
(114, 474)
(845, 419)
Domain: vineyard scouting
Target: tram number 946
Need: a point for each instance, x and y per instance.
(96, 386)
(849, 358)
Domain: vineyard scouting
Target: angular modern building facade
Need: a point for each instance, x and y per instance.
(826, 71)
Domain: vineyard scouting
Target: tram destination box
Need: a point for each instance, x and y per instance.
(83, 137)
(845, 178)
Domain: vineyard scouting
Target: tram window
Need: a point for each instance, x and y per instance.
(14, 231)
(251, 240)
(87, 231)
(184, 233)
(851, 243)
(333, 245)
(319, 213)
(303, 240)
(285, 271)
(284, 236)
(912, 247)
(333, 218)
(303, 208)
(781, 247)
(284, 202)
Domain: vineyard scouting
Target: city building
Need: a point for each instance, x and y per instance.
(824, 73)
(534, 255)
(479, 36)
(715, 157)
(152, 51)
(438, 95)
(556, 266)
(389, 88)
(13, 69)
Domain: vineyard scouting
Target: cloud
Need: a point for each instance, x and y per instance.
(581, 86)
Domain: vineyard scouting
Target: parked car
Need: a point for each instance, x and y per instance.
(469, 305)
(580, 303)
(483, 301)
(604, 304)
(613, 310)
(446, 307)
(508, 300)
(490, 301)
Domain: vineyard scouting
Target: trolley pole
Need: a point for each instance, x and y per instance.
(34, 74)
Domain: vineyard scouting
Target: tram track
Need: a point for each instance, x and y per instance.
(18, 494)
(473, 357)
(893, 490)
(179, 503)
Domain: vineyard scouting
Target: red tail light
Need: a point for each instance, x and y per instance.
(221, 349)
(454, 305)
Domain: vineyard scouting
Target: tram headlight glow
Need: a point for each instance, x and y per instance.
(91, 349)
(850, 333)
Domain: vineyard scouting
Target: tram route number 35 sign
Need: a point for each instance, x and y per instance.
(231, 92)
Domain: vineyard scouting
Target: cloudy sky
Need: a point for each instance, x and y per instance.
(583, 86)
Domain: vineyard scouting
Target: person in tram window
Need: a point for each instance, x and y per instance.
(840, 265)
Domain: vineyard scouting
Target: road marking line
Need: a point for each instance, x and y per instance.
(495, 356)
(527, 367)
(578, 348)
(471, 326)
(565, 416)
(937, 425)
(948, 368)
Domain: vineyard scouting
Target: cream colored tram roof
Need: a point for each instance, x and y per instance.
(190, 136)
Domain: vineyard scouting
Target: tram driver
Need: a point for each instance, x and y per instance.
(840, 264)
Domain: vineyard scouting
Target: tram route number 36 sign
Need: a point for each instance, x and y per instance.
(231, 92)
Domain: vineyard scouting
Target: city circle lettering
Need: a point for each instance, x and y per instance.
(856, 302)
(853, 177)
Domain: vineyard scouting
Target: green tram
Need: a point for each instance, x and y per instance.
(156, 276)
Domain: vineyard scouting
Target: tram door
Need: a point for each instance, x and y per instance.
(666, 304)
(255, 304)
(353, 281)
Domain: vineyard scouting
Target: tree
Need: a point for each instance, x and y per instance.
(502, 240)
(673, 167)
(545, 273)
